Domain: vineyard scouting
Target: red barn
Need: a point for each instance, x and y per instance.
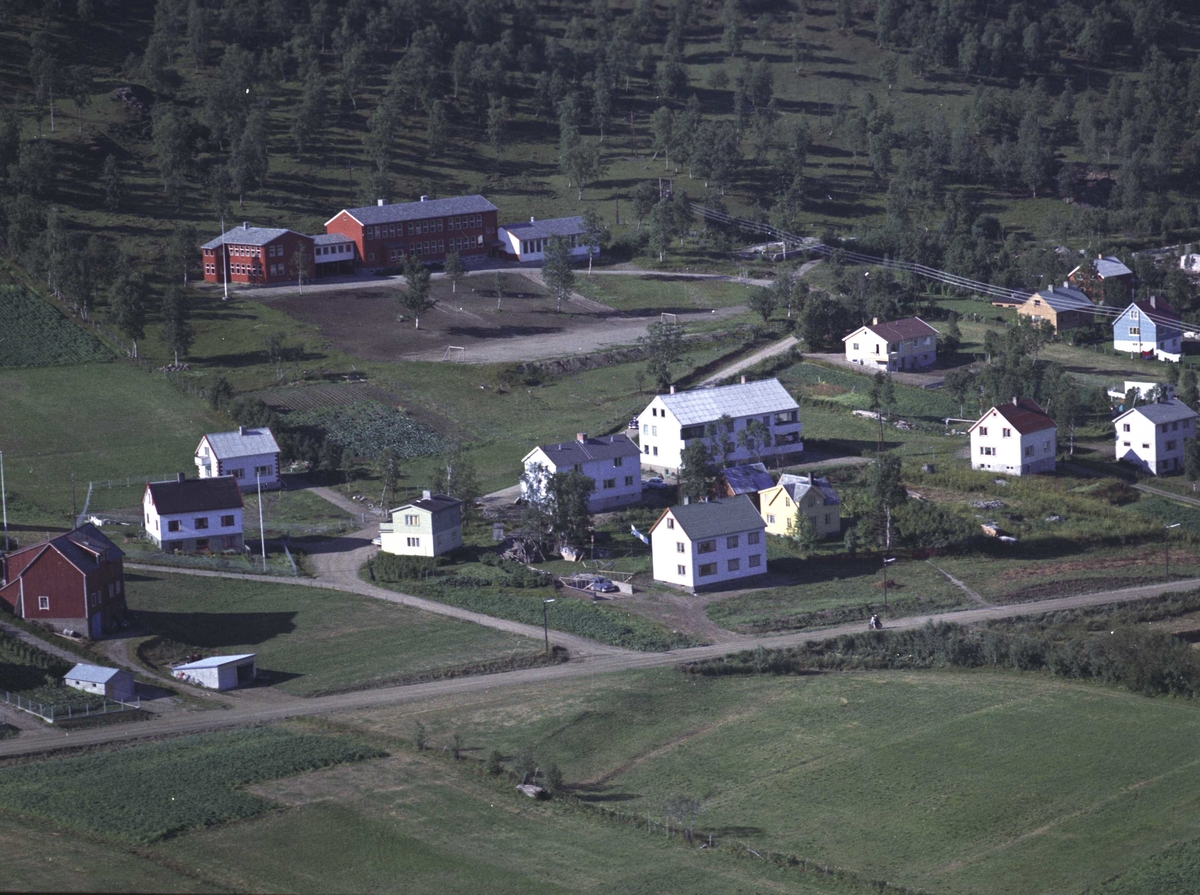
(429, 230)
(75, 580)
(265, 256)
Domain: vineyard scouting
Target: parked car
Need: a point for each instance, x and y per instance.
(377, 541)
(602, 586)
(655, 481)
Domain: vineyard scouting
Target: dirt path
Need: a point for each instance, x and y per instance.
(961, 586)
(920, 380)
(606, 662)
(745, 363)
(1170, 495)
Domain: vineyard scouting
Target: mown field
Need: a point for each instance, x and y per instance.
(311, 640)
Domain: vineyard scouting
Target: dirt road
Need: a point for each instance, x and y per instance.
(606, 662)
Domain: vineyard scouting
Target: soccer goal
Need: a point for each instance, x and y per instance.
(666, 317)
(454, 354)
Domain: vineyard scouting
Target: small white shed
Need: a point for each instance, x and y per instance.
(218, 672)
(112, 683)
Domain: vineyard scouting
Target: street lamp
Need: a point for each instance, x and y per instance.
(885, 581)
(546, 622)
(1167, 547)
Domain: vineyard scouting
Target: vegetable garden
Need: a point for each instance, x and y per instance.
(37, 334)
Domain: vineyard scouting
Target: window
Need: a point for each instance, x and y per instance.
(414, 542)
(1134, 330)
(654, 430)
(1029, 450)
(1006, 433)
(227, 521)
(229, 542)
(679, 547)
(987, 451)
(618, 461)
(1145, 446)
(681, 570)
(1133, 315)
(610, 483)
(200, 522)
(654, 451)
(173, 525)
(1125, 427)
(706, 546)
(1171, 445)
(645, 428)
(752, 538)
(201, 543)
(237, 473)
(43, 603)
(1164, 427)
(709, 568)
(670, 523)
(770, 519)
(827, 518)
(1125, 444)
(731, 542)
(646, 449)
(412, 520)
(855, 344)
(755, 561)
(983, 430)
(734, 565)
(1174, 427)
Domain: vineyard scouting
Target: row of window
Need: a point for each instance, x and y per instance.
(199, 523)
(828, 519)
(732, 565)
(612, 483)
(415, 228)
(539, 245)
(343, 249)
(240, 472)
(228, 542)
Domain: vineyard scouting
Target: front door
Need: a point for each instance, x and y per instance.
(97, 626)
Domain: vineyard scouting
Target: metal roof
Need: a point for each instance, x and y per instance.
(434, 504)
(1108, 266)
(242, 442)
(214, 662)
(246, 235)
(729, 515)
(1156, 309)
(799, 485)
(749, 478)
(92, 674)
(322, 239)
(195, 495)
(1169, 411)
(710, 404)
(568, 453)
(547, 228)
(1064, 298)
(417, 211)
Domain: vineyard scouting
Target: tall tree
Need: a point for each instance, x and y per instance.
(454, 269)
(764, 302)
(250, 157)
(593, 232)
(415, 296)
(177, 332)
(697, 471)
(497, 124)
(663, 344)
(557, 272)
(114, 185)
(127, 306)
(181, 250)
(571, 519)
(310, 114)
(80, 86)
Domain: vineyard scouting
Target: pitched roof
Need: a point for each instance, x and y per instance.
(435, 503)
(214, 662)
(1108, 266)
(1022, 414)
(242, 442)
(747, 399)
(568, 453)
(749, 478)
(716, 517)
(248, 236)
(1064, 298)
(416, 211)
(195, 495)
(82, 547)
(1156, 309)
(547, 228)
(1169, 411)
(322, 239)
(899, 330)
(92, 674)
(799, 485)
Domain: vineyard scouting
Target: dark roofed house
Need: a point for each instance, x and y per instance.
(194, 515)
(612, 462)
(749, 479)
(385, 234)
(700, 546)
(528, 241)
(1150, 328)
(426, 527)
(1065, 307)
(905, 344)
(74, 580)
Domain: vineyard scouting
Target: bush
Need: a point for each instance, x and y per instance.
(391, 567)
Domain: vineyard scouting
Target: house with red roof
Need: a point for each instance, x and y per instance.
(74, 580)
(1017, 438)
(906, 344)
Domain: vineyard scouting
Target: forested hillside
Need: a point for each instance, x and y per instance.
(970, 134)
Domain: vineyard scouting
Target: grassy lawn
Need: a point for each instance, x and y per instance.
(634, 293)
(953, 782)
(312, 640)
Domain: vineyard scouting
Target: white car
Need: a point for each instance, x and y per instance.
(377, 541)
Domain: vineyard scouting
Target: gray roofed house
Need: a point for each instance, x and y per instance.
(1109, 266)
(1169, 411)
(241, 442)
(700, 546)
(528, 241)
(546, 228)
(566, 454)
(707, 405)
(249, 453)
(713, 518)
(1065, 298)
(416, 211)
(1154, 436)
(1064, 307)
(323, 239)
(114, 683)
(248, 236)
(612, 462)
(799, 485)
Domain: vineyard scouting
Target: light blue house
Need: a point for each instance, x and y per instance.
(1149, 328)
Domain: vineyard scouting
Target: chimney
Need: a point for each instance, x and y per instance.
(581, 437)
(1152, 302)
(672, 390)
(424, 198)
(532, 219)
(743, 380)
(686, 500)
(245, 225)
(874, 321)
(179, 476)
(381, 202)
(425, 495)
(241, 430)
(1014, 400)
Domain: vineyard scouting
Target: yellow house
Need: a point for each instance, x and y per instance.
(815, 496)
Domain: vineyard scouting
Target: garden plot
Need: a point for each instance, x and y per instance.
(37, 334)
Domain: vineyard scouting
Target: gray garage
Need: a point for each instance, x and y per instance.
(112, 683)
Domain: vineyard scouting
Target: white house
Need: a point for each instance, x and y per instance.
(1146, 391)
(763, 421)
(218, 672)
(426, 527)
(1017, 439)
(1152, 436)
(906, 344)
(112, 683)
(194, 515)
(250, 455)
(613, 462)
(527, 242)
(703, 545)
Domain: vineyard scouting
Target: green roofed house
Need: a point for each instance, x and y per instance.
(426, 527)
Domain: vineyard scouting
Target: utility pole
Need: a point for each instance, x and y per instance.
(74, 515)
(546, 623)
(224, 260)
(1167, 548)
(262, 537)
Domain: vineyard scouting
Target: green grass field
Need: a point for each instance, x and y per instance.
(314, 640)
(672, 294)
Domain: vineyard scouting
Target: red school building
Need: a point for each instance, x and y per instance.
(428, 230)
(257, 255)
